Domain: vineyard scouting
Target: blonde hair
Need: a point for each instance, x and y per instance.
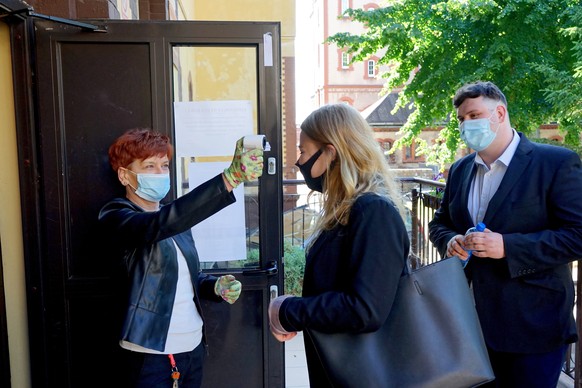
(359, 166)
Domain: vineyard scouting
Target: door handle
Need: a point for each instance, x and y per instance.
(270, 270)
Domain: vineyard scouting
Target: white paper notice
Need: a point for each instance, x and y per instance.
(220, 237)
(211, 128)
(268, 51)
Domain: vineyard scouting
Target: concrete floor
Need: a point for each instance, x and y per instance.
(295, 363)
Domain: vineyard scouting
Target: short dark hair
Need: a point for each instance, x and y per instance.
(477, 89)
(138, 144)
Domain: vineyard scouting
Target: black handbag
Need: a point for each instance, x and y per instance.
(431, 338)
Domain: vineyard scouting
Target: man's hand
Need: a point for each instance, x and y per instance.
(485, 244)
(456, 247)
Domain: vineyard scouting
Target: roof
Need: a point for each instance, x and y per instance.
(379, 113)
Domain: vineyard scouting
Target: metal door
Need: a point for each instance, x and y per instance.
(91, 86)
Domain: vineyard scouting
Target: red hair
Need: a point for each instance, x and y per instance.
(138, 144)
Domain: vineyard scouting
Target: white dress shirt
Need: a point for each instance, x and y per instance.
(487, 180)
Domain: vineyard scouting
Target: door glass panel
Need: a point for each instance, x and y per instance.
(215, 97)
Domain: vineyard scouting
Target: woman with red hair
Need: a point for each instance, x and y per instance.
(162, 334)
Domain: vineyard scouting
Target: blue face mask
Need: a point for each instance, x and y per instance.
(152, 187)
(477, 134)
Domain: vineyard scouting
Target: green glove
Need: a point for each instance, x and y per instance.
(246, 165)
(228, 288)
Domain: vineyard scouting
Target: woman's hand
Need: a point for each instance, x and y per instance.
(246, 165)
(277, 329)
(228, 288)
(284, 337)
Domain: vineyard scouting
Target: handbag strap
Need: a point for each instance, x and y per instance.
(413, 262)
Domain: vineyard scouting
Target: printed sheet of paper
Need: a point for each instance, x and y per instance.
(211, 128)
(221, 237)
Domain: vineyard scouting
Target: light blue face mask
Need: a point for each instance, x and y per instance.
(477, 134)
(152, 187)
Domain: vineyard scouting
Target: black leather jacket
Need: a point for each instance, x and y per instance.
(142, 242)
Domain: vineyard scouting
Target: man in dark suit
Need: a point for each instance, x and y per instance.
(529, 197)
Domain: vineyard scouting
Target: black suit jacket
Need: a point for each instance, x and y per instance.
(351, 277)
(524, 300)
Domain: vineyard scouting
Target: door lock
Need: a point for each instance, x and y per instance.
(271, 166)
(274, 292)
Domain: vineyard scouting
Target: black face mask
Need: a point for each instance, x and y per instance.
(315, 184)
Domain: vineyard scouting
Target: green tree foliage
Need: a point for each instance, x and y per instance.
(565, 85)
(531, 49)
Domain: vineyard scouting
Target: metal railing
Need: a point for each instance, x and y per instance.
(420, 196)
(422, 199)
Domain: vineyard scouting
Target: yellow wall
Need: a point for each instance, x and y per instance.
(283, 12)
(11, 225)
(253, 10)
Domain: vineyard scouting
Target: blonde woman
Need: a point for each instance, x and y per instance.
(360, 246)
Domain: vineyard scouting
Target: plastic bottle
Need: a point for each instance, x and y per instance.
(480, 227)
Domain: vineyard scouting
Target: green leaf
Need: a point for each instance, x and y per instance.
(531, 49)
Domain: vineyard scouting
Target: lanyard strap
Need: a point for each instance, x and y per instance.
(175, 373)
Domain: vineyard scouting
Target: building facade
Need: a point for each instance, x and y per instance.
(336, 79)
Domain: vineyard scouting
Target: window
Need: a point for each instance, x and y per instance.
(409, 154)
(371, 68)
(386, 145)
(344, 5)
(345, 60)
(346, 100)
